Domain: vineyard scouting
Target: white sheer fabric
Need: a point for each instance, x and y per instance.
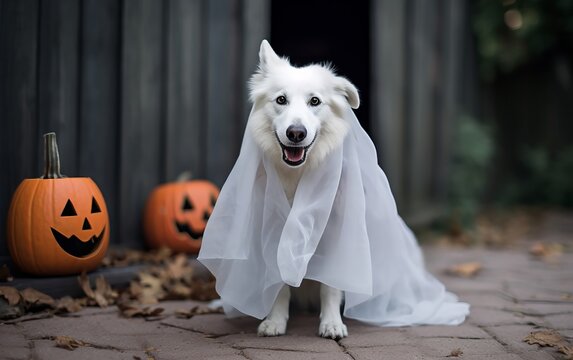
(343, 230)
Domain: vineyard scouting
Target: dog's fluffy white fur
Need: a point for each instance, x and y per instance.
(314, 98)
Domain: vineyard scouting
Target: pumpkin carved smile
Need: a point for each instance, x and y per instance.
(76, 247)
(185, 228)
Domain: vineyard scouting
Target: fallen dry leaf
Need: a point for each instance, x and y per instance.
(132, 310)
(546, 251)
(103, 295)
(456, 353)
(122, 258)
(126, 257)
(203, 289)
(68, 304)
(197, 310)
(68, 342)
(177, 267)
(85, 285)
(35, 298)
(179, 291)
(550, 338)
(544, 338)
(158, 256)
(104, 290)
(151, 290)
(11, 294)
(465, 270)
(5, 274)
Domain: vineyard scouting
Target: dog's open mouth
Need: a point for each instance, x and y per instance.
(294, 155)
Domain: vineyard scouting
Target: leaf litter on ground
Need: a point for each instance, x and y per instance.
(127, 257)
(547, 252)
(102, 296)
(134, 310)
(550, 338)
(170, 277)
(68, 342)
(456, 353)
(37, 299)
(197, 310)
(465, 270)
(24, 305)
(11, 294)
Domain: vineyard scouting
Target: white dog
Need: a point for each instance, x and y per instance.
(297, 119)
(306, 200)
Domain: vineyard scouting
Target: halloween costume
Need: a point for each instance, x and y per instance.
(343, 230)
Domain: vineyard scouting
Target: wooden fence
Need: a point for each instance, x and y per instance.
(423, 71)
(141, 90)
(137, 91)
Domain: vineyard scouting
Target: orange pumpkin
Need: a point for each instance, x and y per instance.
(57, 225)
(176, 214)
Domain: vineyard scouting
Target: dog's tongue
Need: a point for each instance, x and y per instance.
(294, 154)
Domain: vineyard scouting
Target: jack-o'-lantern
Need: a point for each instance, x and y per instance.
(176, 214)
(57, 225)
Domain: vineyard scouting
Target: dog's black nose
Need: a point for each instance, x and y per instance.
(296, 133)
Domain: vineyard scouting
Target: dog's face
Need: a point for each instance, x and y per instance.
(298, 113)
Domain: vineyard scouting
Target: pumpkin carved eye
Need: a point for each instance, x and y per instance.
(213, 200)
(187, 206)
(69, 209)
(95, 206)
(206, 216)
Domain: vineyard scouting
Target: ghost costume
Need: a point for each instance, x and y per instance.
(342, 230)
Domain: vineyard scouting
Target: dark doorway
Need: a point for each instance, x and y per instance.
(327, 31)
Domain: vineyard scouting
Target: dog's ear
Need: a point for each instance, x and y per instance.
(267, 56)
(349, 91)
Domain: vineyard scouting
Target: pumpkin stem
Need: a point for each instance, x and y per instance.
(51, 158)
(184, 176)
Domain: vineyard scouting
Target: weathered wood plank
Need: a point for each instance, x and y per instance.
(421, 91)
(184, 122)
(141, 112)
(58, 78)
(99, 100)
(224, 91)
(18, 100)
(256, 17)
(388, 90)
(451, 35)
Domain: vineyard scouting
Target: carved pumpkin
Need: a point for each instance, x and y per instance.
(57, 225)
(176, 214)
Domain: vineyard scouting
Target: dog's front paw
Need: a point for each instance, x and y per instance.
(272, 328)
(332, 330)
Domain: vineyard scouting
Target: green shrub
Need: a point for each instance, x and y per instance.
(472, 154)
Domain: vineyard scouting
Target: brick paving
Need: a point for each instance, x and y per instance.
(513, 295)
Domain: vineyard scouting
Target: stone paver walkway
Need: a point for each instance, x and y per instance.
(513, 295)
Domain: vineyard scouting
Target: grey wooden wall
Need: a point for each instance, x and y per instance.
(141, 90)
(137, 91)
(421, 71)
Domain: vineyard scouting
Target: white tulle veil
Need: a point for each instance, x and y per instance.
(342, 230)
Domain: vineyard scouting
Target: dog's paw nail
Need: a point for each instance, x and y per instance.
(272, 328)
(333, 330)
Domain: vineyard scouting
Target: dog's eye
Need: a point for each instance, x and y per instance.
(314, 101)
(281, 100)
